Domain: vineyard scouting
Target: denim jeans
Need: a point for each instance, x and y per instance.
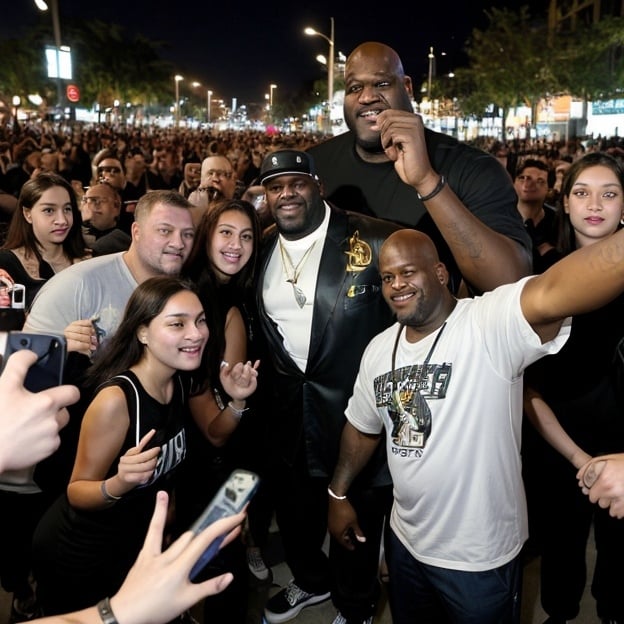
(426, 594)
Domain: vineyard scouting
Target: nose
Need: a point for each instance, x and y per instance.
(177, 240)
(368, 94)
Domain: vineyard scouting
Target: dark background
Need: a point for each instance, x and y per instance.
(238, 50)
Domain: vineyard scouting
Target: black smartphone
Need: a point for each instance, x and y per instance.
(231, 498)
(47, 371)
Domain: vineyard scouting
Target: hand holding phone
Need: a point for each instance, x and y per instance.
(231, 499)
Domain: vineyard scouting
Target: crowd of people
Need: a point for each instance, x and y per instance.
(295, 305)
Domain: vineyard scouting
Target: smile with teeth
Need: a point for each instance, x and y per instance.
(191, 350)
(370, 113)
(402, 297)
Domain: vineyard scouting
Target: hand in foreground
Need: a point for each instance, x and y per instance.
(602, 479)
(403, 138)
(241, 380)
(157, 588)
(343, 523)
(29, 430)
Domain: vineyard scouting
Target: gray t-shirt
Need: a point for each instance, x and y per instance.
(97, 288)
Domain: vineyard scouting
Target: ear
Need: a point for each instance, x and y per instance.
(27, 215)
(142, 335)
(442, 273)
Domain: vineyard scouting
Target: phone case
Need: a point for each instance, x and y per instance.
(231, 498)
(47, 371)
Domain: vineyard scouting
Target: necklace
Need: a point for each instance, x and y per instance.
(293, 272)
(423, 371)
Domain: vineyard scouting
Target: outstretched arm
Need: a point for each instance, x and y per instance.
(485, 257)
(584, 280)
(157, 588)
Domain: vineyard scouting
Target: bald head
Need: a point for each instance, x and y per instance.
(409, 246)
(380, 52)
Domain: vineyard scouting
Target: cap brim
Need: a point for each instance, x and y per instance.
(263, 179)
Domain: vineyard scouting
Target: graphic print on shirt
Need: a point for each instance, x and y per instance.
(406, 398)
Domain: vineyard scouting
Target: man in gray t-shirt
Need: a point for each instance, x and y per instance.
(86, 301)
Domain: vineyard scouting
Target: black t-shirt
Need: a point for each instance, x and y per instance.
(476, 177)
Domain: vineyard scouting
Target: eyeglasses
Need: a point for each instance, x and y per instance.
(218, 173)
(96, 201)
(101, 170)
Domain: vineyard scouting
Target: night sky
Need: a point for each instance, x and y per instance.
(238, 51)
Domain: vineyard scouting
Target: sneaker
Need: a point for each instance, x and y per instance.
(288, 602)
(256, 564)
(341, 619)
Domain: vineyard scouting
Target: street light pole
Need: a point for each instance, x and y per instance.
(177, 79)
(208, 98)
(330, 60)
(431, 59)
(42, 5)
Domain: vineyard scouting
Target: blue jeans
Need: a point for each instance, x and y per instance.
(426, 594)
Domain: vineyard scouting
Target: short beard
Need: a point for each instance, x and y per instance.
(373, 146)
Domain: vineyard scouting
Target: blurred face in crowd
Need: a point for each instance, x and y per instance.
(217, 174)
(192, 175)
(110, 170)
(135, 165)
(295, 203)
(595, 204)
(374, 82)
(531, 185)
(103, 205)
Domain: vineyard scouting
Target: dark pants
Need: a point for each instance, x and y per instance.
(430, 595)
(566, 520)
(301, 512)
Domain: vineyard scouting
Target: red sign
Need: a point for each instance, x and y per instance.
(73, 93)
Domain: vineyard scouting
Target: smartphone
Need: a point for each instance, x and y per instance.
(231, 498)
(47, 371)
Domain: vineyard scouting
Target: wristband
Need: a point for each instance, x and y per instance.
(106, 495)
(106, 612)
(238, 413)
(334, 495)
(439, 186)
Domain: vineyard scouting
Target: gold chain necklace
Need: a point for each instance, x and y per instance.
(293, 272)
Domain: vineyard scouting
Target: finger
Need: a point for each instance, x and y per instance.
(604, 502)
(145, 439)
(154, 537)
(17, 366)
(62, 396)
(592, 473)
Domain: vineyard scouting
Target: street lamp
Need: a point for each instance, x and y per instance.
(177, 79)
(330, 60)
(56, 26)
(431, 60)
(208, 97)
(17, 100)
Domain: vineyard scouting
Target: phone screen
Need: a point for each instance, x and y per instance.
(231, 498)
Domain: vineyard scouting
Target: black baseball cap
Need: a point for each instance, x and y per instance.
(286, 162)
